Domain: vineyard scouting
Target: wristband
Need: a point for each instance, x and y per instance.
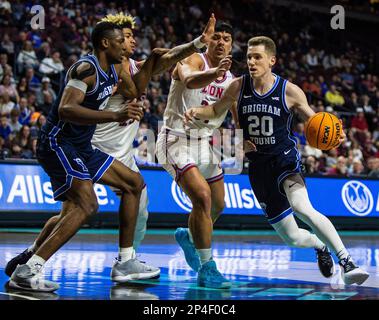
(198, 44)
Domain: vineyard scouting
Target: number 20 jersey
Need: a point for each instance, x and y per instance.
(265, 119)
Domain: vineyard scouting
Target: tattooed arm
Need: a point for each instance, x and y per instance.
(158, 62)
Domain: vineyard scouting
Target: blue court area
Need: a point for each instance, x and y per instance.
(259, 264)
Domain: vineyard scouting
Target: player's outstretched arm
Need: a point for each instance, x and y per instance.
(81, 77)
(160, 60)
(218, 108)
(190, 73)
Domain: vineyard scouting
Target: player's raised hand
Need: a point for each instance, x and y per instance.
(209, 30)
(223, 66)
(130, 111)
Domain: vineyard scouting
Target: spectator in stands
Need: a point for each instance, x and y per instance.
(5, 129)
(14, 124)
(311, 87)
(357, 169)
(359, 125)
(7, 44)
(22, 144)
(45, 96)
(312, 58)
(6, 105)
(33, 82)
(333, 97)
(23, 87)
(6, 86)
(373, 167)
(27, 57)
(52, 67)
(311, 165)
(352, 103)
(299, 134)
(340, 169)
(25, 112)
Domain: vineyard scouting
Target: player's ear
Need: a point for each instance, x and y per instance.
(105, 43)
(272, 61)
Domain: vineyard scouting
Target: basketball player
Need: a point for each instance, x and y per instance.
(199, 79)
(122, 270)
(266, 105)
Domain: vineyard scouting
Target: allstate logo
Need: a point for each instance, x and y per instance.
(357, 198)
(180, 197)
(1, 189)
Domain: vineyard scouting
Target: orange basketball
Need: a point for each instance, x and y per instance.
(323, 131)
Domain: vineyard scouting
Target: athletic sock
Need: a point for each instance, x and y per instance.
(36, 263)
(33, 247)
(205, 255)
(125, 254)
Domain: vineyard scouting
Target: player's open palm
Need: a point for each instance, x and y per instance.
(130, 111)
(209, 30)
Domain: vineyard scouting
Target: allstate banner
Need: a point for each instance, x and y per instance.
(27, 188)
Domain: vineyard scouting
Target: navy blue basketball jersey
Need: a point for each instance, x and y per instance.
(265, 119)
(96, 99)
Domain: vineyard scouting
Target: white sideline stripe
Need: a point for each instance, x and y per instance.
(18, 295)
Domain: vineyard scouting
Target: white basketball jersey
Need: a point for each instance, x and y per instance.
(115, 138)
(180, 99)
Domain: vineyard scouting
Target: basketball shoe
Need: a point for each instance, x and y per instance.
(351, 273)
(190, 254)
(325, 262)
(24, 279)
(133, 269)
(21, 258)
(210, 277)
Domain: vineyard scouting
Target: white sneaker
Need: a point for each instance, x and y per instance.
(133, 269)
(351, 273)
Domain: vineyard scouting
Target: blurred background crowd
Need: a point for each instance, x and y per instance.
(337, 69)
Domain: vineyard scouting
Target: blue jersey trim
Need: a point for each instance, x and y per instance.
(62, 157)
(103, 168)
(114, 74)
(281, 216)
(284, 96)
(64, 188)
(98, 66)
(269, 92)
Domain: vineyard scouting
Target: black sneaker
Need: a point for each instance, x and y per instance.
(21, 258)
(325, 262)
(351, 273)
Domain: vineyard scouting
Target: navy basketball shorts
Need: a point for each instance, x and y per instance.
(62, 162)
(266, 175)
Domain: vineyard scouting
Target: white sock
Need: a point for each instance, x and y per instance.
(204, 254)
(342, 254)
(33, 247)
(190, 235)
(36, 263)
(125, 254)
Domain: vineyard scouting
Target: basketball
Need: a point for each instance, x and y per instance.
(323, 131)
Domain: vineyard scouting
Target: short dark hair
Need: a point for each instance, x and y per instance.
(102, 30)
(267, 42)
(222, 26)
